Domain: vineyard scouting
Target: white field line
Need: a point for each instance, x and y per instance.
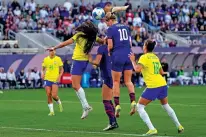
(76, 102)
(77, 132)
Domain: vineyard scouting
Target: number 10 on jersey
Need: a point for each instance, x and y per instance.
(123, 34)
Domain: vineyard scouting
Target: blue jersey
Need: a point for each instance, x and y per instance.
(121, 37)
(105, 64)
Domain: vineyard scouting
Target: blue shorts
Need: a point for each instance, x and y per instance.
(49, 83)
(155, 93)
(78, 67)
(121, 63)
(108, 81)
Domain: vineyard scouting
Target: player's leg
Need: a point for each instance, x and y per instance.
(47, 85)
(55, 96)
(147, 97)
(108, 105)
(77, 69)
(117, 69)
(130, 87)
(116, 91)
(164, 101)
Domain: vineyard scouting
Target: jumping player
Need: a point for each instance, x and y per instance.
(52, 70)
(85, 37)
(103, 60)
(107, 6)
(119, 45)
(151, 69)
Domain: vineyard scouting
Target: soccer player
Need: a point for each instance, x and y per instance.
(119, 44)
(103, 60)
(107, 6)
(52, 70)
(151, 69)
(85, 37)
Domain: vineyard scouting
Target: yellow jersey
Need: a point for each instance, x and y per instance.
(151, 70)
(52, 66)
(78, 53)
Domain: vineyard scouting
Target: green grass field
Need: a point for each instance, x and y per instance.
(23, 113)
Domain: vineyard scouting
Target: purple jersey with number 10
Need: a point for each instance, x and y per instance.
(121, 37)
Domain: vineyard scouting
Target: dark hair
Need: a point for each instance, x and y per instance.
(150, 45)
(89, 32)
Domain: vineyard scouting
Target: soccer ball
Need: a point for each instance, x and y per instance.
(98, 13)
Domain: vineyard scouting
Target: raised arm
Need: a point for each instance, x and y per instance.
(65, 43)
(121, 8)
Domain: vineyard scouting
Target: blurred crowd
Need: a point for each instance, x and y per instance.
(178, 75)
(61, 20)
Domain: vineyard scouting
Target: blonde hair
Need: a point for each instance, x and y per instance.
(110, 16)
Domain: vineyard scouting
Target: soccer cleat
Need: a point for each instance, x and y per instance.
(133, 108)
(60, 107)
(180, 129)
(151, 132)
(51, 114)
(117, 111)
(111, 127)
(86, 112)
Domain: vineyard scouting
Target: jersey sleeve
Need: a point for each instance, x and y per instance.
(75, 37)
(60, 62)
(100, 50)
(109, 33)
(142, 60)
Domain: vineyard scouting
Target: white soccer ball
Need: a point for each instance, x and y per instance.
(98, 13)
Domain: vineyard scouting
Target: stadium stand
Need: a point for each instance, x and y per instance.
(179, 27)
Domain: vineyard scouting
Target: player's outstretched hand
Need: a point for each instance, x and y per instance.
(132, 56)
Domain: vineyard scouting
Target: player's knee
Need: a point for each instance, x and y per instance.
(128, 83)
(116, 82)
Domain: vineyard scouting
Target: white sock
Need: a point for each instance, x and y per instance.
(81, 95)
(144, 116)
(51, 107)
(59, 102)
(171, 113)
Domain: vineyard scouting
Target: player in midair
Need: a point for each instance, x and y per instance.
(107, 6)
(103, 60)
(119, 46)
(151, 69)
(52, 70)
(85, 37)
